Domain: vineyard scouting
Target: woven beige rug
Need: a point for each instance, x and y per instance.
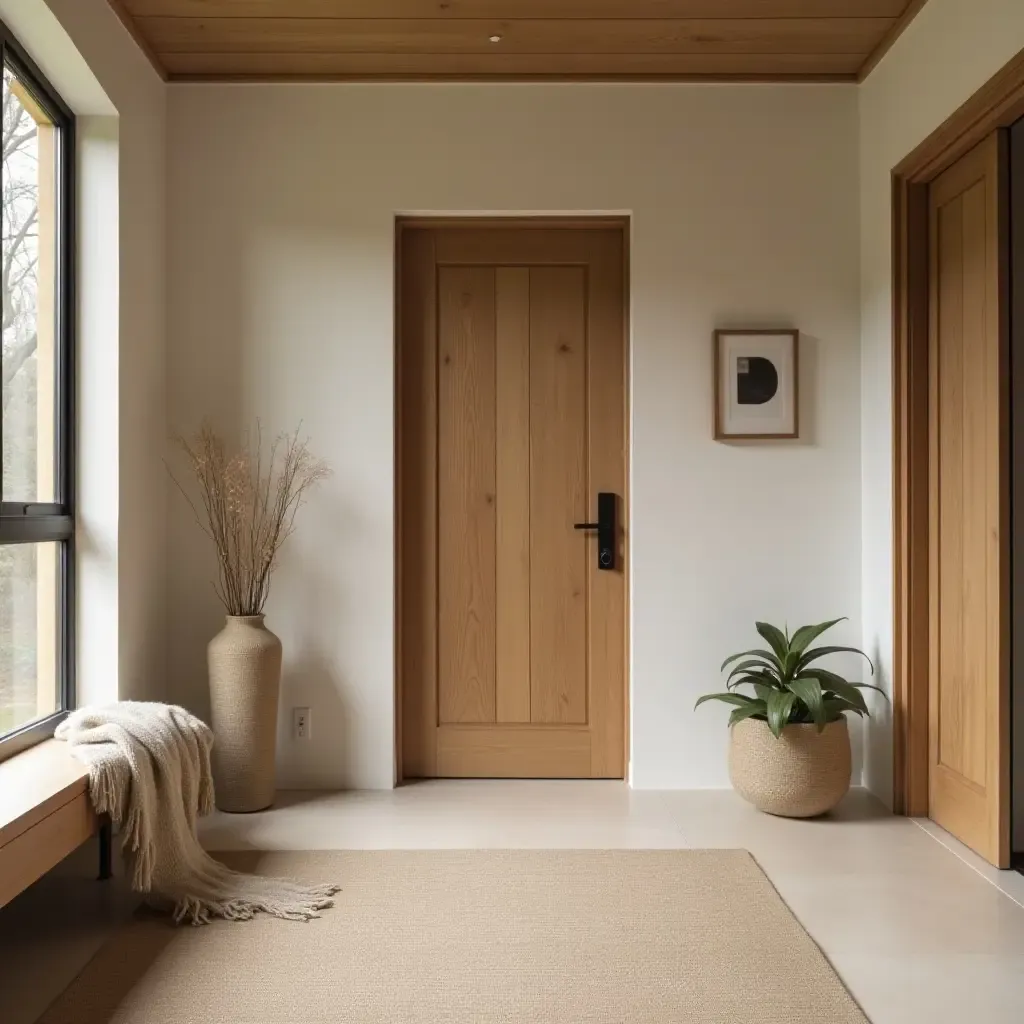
(481, 937)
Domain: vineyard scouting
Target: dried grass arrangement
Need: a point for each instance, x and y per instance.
(247, 507)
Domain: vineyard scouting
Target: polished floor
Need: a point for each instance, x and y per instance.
(917, 927)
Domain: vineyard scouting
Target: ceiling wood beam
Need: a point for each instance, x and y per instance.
(579, 39)
(434, 35)
(555, 9)
(504, 67)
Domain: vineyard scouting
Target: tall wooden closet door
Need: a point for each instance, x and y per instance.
(512, 398)
(969, 506)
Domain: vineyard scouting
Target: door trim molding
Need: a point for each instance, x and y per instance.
(487, 220)
(583, 222)
(996, 105)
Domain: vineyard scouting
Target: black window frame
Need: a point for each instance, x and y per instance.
(35, 523)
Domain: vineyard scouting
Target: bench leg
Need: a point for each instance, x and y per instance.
(106, 850)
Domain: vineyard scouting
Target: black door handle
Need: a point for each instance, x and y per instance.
(605, 526)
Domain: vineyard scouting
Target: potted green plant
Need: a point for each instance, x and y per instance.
(789, 746)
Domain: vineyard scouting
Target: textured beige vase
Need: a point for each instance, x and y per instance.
(244, 661)
(799, 775)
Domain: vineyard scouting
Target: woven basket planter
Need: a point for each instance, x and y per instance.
(244, 661)
(802, 774)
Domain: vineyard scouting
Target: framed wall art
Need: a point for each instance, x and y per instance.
(756, 385)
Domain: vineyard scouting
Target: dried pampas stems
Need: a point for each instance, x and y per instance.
(248, 503)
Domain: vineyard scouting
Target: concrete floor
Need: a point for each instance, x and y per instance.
(919, 929)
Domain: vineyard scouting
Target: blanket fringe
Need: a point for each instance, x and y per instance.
(197, 911)
(149, 770)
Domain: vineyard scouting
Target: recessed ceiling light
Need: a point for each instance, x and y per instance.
(495, 39)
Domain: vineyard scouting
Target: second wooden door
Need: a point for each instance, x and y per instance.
(969, 501)
(512, 420)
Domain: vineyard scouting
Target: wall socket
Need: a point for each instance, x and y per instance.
(301, 725)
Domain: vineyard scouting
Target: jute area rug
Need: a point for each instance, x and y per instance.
(488, 937)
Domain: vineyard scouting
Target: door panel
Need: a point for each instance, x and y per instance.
(558, 495)
(417, 528)
(969, 504)
(513, 452)
(466, 494)
(512, 412)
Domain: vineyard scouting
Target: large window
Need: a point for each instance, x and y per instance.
(36, 482)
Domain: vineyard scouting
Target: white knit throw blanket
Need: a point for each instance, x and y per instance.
(149, 769)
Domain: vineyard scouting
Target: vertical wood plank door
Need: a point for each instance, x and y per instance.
(511, 419)
(969, 505)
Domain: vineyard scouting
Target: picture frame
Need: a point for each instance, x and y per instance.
(756, 384)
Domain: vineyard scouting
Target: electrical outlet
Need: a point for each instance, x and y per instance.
(301, 728)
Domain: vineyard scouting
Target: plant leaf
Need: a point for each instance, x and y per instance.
(836, 707)
(764, 691)
(756, 709)
(752, 679)
(779, 706)
(753, 663)
(799, 714)
(808, 692)
(824, 676)
(739, 699)
(871, 686)
(806, 635)
(761, 653)
(790, 666)
(850, 693)
(776, 640)
(830, 679)
(820, 652)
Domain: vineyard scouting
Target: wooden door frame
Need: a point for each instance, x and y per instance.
(996, 105)
(583, 222)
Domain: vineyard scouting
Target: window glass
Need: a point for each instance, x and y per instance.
(28, 277)
(36, 432)
(29, 630)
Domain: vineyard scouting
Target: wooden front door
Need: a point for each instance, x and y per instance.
(512, 418)
(969, 502)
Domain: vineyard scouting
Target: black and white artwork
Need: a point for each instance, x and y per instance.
(756, 384)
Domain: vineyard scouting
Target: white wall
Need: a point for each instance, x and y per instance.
(120, 103)
(282, 198)
(951, 49)
(744, 203)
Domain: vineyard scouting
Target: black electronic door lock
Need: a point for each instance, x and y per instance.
(606, 529)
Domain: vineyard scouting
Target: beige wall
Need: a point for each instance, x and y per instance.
(743, 202)
(950, 50)
(122, 412)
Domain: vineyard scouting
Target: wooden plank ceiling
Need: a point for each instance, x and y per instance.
(516, 39)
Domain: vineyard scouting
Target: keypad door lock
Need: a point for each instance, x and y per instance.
(606, 527)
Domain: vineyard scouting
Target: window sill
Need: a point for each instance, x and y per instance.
(45, 813)
(29, 736)
(35, 783)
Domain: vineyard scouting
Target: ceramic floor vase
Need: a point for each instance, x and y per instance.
(802, 774)
(244, 662)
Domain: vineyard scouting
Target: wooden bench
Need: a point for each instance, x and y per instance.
(45, 814)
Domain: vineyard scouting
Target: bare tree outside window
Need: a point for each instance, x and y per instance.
(19, 282)
(37, 437)
(25, 313)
